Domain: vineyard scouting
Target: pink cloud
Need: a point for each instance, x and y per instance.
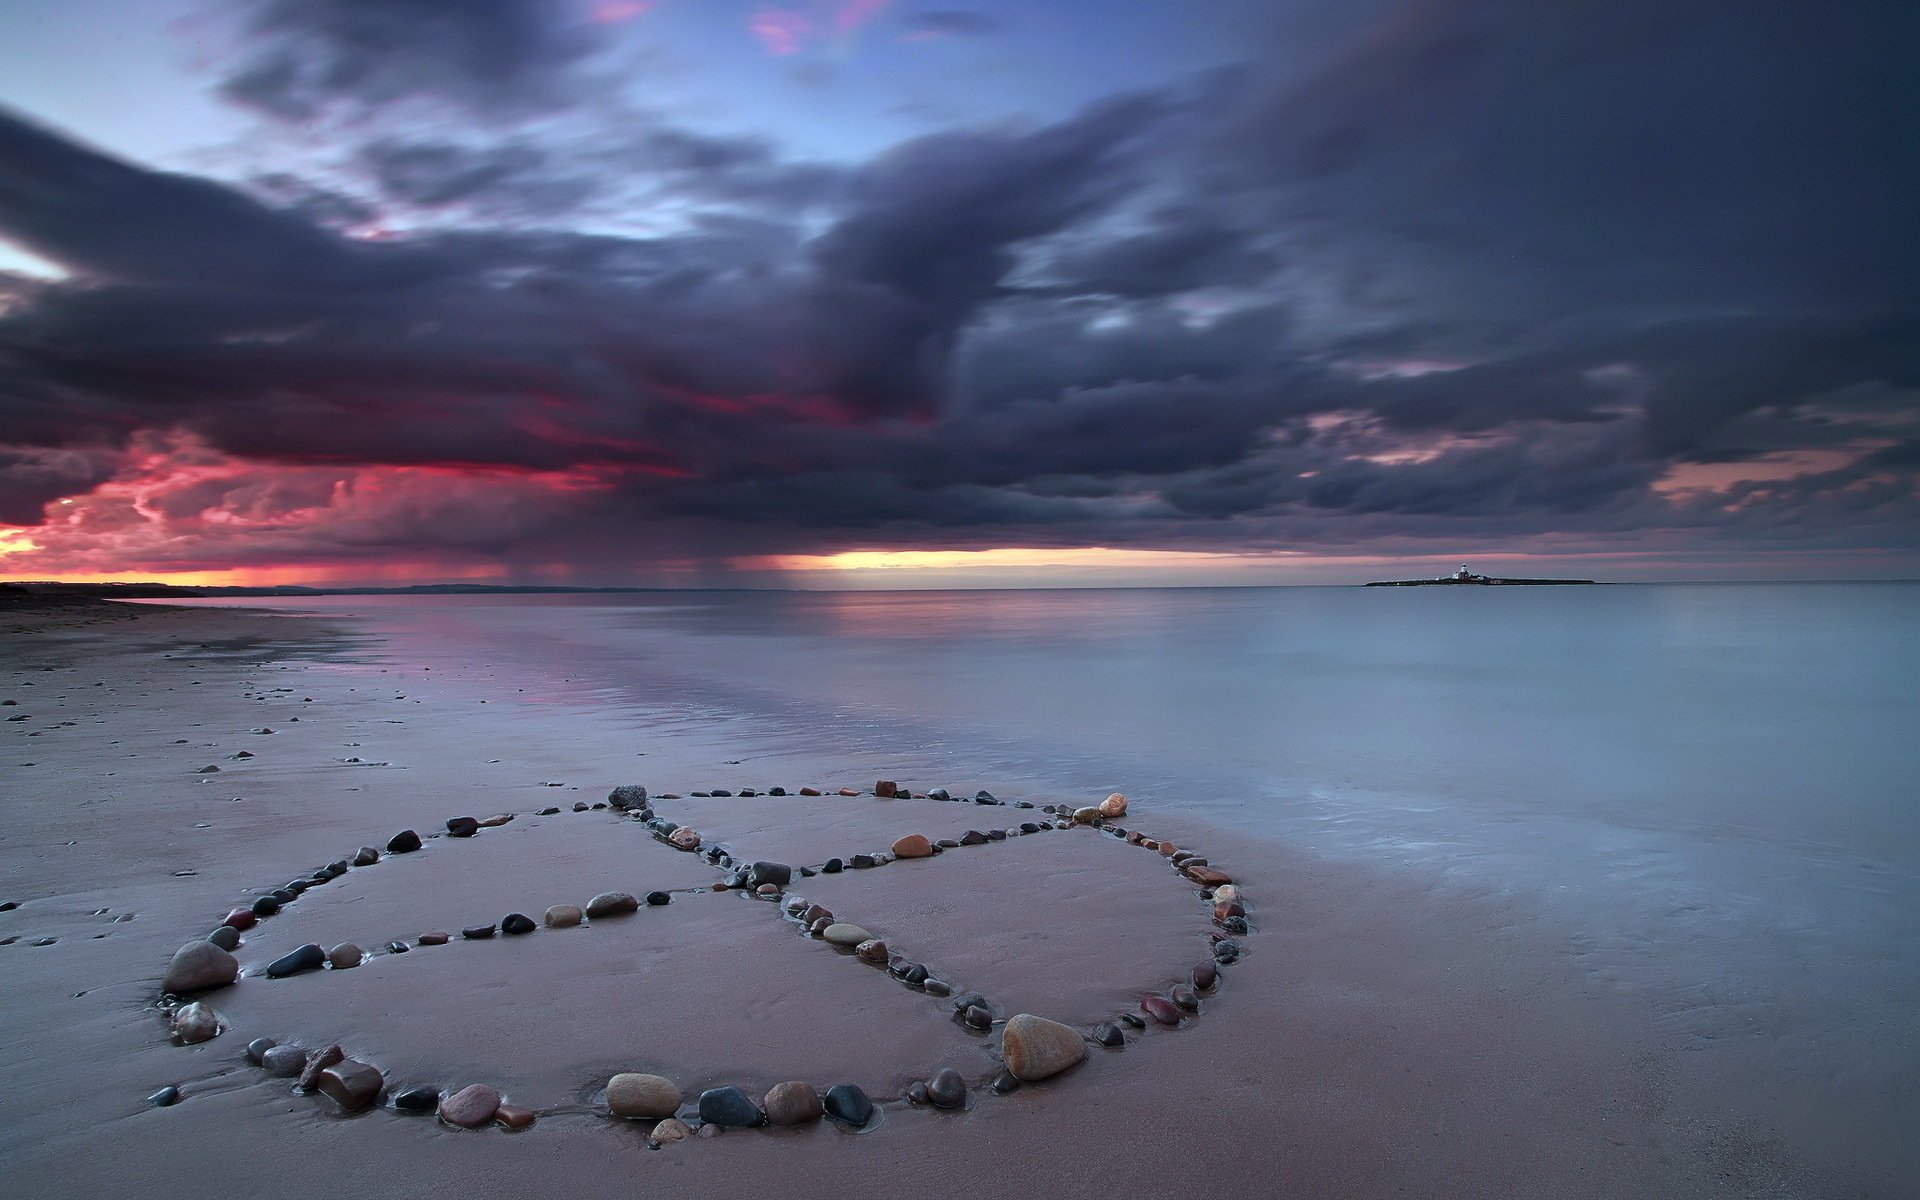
(782, 31)
(787, 31)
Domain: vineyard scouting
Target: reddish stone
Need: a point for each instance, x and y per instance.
(848, 792)
(1208, 876)
(1206, 976)
(886, 789)
(497, 821)
(241, 919)
(1232, 908)
(317, 1062)
(1169, 849)
(513, 1116)
(913, 845)
(1160, 1009)
(809, 791)
(352, 1085)
(471, 1106)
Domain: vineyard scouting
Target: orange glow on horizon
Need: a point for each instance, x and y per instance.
(1013, 556)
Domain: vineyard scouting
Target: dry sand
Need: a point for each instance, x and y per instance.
(1374, 1042)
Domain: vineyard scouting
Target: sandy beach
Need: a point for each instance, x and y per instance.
(1366, 1042)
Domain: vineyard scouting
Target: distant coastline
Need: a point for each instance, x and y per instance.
(1466, 578)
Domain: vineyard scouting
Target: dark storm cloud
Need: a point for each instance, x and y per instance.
(1457, 269)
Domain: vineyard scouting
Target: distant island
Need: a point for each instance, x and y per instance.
(1464, 577)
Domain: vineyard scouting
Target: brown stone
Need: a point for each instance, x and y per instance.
(470, 1107)
(317, 1062)
(671, 1130)
(872, 950)
(1232, 908)
(435, 939)
(513, 1116)
(886, 789)
(809, 791)
(1207, 876)
(793, 1103)
(563, 916)
(1168, 849)
(1160, 1009)
(684, 838)
(1114, 806)
(913, 845)
(634, 1095)
(352, 1085)
(495, 822)
(1036, 1048)
(848, 792)
(199, 966)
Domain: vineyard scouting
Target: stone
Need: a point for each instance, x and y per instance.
(285, 896)
(309, 957)
(977, 1017)
(1029, 827)
(637, 1096)
(669, 1131)
(1085, 816)
(226, 937)
(832, 866)
(917, 1093)
(475, 933)
(512, 1116)
(166, 1096)
(344, 956)
(1108, 1034)
(984, 797)
(820, 926)
(778, 874)
(1207, 876)
(517, 923)
(973, 837)
(417, 1100)
(872, 950)
(1206, 976)
(849, 1105)
(729, 1106)
(257, 1050)
(659, 899)
(563, 916)
(317, 1062)
(1036, 1048)
(861, 862)
(470, 1107)
(630, 795)
(551, 810)
(611, 904)
(463, 827)
(200, 967)
(1160, 1009)
(792, 1103)
(809, 791)
(1133, 1020)
(1226, 951)
(767, 889)
(939, 793)
(366, 856)
(495, 821)
(848, 792)
(1235, 925)
(284, 1061)
(241, 919)
(913, 845)
(1228, 893)
(684, 838)
(776, 791)
(1114, 806)
(946, 1089)
(1229, 910)
(843, 934)
(814, 912)
(194, 1023)
(266, 906)
(1004, 1082)
(886, 789)
(1185, 998)
(435, 939)
(350, 1084)
(937, 987)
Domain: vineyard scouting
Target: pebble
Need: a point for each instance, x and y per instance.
(973, 837)
(977, 1017)
(886, 789)
(352, 1085)
(1185, 998)
(809, 791)
(792, 1103)
(630, 795)
(684, 838)
(848, 1104)
(917, 1093)
(638, 1096)
(947, 1089)
(843, 934)
(819, 925)
(872, 950)
(729, 1106)
(832, 866)
(285, 896)
(1135, 1020)
(937, 987)
(435, 939)
(195, 1023)
(241, 919)
(669, 1131)
(767, 889)
(470, 1107)
(344, 956)
(913, 845)
(551, 810)
(1207, 876)
(1114, 805)
(563, 916)
(309, 957)
(779, 874)
(317, 1062)
(1004, 1082)
(1085, 816)
(417, 1100)
(1235, 925)
(984, 797)
(366, 857)
(1108, 1034)
(284, 1061)
(226, 937)
(517, 923)
(257, 1050)
(815, 912)
(861, 862)
(848, 792)
(265, 906)
(495, 821)
(199, 966)
(1225, 951)
(463, 827)
(1206, 976)
(658, 899)
(609, 904)
(1036, 1048)
(477, 932)
(512, 1116)
(1160, 1009)
(1029, 827)
(166, 1096)
(1228, 893)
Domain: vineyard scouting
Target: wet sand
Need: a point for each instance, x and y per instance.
(1376, 1040)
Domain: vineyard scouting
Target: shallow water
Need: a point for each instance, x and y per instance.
(1711, 788)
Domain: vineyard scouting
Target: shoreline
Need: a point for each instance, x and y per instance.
(1354, 1051)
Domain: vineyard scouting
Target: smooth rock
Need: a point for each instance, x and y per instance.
(477, 933)
(417, 1100)
(241, 919)
(913, 845)
(366, 857)
(435, 939)
(832, 866)
(669, 1131)
(1114, 806)
(563, 916)
(1085, 816)
(517, 923)
(1160, 1009)
(947, 1089)
(1036, 1048)
(495, 821)
(1133, 1020)
(1108, 1034)
(257, 1050)
(917, 1093)
(973, 837)
(872, 950)
(792, 1103)
(778, 874)
(1235, 925)
(684, 838)
(729, 1106)
(843, 934)
(463, 827)
(307, 958)
(1004, 1082)
(1185, 998)
(849, 1105)
(200, 966)
(1225, 951)
(658, 899)
(266, 906)
(284, 1061)
(1208, 876)
(350, 1084)
(861, 862)
(1228, 893)
(344, 956)
(470, 1107)
(637, 1096)
(226, 937)
(195, 1023)
(317, 1062)
(512, 1116)
(809, 791)
(886, 789)
(1206, 976)
(166, 1096)
(610, 904)
(977, 1017)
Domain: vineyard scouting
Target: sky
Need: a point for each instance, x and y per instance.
(861, 293)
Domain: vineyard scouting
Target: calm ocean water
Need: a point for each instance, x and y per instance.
(1712, 787)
